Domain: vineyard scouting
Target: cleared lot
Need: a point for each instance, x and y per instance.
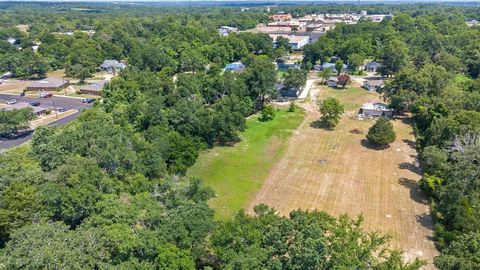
(339, 172)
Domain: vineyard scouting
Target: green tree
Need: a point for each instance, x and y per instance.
(295, 78)
(339, 66)
(332, 111)
(78, 71)
(381, 133)
(394, 55)
(325, 74)
(260, 78)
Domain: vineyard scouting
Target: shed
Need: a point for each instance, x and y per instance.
(47, 84)
(332, 81)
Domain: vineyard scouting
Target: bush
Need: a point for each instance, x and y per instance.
(381, 133)
(48, 111)
(268, 113)
(292, 106)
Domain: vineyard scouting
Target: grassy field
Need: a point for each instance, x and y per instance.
(236, 173)
(338, 171)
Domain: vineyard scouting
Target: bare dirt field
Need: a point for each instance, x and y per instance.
(339, 172)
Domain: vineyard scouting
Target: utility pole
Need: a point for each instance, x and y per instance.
(55, 108)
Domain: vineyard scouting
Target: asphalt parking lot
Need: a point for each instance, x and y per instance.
(52, 102)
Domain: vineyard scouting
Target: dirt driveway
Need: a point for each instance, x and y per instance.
(339, 172)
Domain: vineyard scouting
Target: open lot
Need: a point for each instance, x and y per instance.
(339, 172)
(237, 173)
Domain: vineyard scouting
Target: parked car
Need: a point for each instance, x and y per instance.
(63, 109)
(45, 95)
(88, 100)
(34, 103)
(11, 101)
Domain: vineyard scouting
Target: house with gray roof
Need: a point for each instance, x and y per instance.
(112, 65)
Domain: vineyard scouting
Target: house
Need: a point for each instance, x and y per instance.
(375, 110)
(373, 85)
(94, 89)
(373, 66)
(112, 65)
(226, 30)
(332, 67)
(332, 81)
(47, 84)
(284, 66)
(38, 110)
(237, 67)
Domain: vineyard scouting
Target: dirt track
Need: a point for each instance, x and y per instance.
(339, 172)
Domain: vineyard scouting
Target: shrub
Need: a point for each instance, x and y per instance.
(381, 133)
(268, 113)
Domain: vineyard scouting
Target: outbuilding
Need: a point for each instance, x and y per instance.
(237, 67)
(112, 66)
(332, 81)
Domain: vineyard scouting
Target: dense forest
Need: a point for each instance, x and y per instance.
(107, 191)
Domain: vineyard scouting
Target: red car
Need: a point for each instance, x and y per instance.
(45, 95)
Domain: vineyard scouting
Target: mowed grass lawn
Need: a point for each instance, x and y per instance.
(236, 173)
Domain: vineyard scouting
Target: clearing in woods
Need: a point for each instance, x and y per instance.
(237, 173)
(339, 172)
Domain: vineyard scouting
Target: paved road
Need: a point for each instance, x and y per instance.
(70, 103)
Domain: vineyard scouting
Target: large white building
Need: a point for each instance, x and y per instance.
(296, 42)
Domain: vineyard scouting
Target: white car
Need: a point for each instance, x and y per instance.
(12, 101)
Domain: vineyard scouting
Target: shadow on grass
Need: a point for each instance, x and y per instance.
(411, 167)
(410, 143)
(416, 193)
(367, 144)
(320, 124)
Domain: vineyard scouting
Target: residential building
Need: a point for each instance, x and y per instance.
(373, 85)
(373, 66)
(284, 66)
(226, 30)
(375, 110)
(47, 84)
(237, 67)
(112, 65)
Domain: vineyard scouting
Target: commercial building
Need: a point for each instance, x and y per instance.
(295, 42)
(94, 89)
(47, 84)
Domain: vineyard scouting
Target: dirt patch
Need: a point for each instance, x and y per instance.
(331, 170)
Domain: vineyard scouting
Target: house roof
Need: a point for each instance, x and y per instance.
(48, 82)
(113, 64)
(375, 82)
(373, 64)
(376, 107)
(234, 66)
